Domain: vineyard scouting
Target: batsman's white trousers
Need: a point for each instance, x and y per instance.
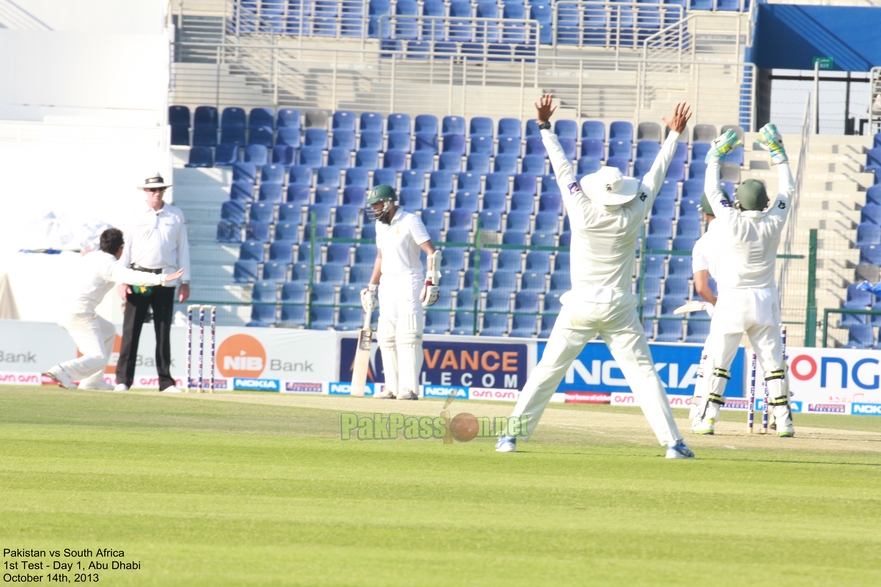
(753, 311)
(93, 336)
(399, 331)
(618, 323)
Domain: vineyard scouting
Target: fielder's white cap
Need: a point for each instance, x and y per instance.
(155, 182)
(609, 186)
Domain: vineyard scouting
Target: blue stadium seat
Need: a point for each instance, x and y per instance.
(535, 146)
(396, 160)
(593, 148)
(621, 130)
(620, 149)
(256, 154)
(621, 163)
(860, 336)
(509, 127)
(454, 144)
(438, 199)
(284, 155)
(508, 146)
(467, 200)
(241, 191)
(871, 213)
(410, 199)
(371, 122)
(868, 234)
(366, 159)
(398, 122)
(411, 178)
(262, 212)
(482, 145)
(588, 165)
(453, 125)
(398, 141)
(425, 143)
(505, 164)
(669, 331)
(422, 161)
(251, 250)
(386, 177)
(451, 162)
(315, 137)
(477, 163)
(245, 271)
(260, 135)
(288, 135)
(287, 117)
(496, 183)
(282, 251)
(543, 239)
(201, 157)
(491, 219)
(441, 180)
(593, 129)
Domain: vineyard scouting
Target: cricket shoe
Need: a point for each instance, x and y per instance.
(385, 394)
(506, 444)
(678, 450)
(97, 386)
(770, 139)
(170, 389)
(721, 146)
(706, 428)
(121, 387)
(408, 394)
(58, 375)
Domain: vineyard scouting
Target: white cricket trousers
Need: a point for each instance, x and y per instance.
(93, 336)
(399, 331)
(753, 311)
(618, 323)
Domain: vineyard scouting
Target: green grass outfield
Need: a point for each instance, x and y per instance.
(258, 489)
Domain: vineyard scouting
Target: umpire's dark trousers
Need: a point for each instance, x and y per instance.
(162, 303)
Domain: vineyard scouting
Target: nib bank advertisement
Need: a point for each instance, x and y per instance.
(595, 370)
(461, 364)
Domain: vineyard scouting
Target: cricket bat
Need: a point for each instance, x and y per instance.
(688, 307)
(362, 357)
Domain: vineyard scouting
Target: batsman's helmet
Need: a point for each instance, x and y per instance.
(384, 194)
(751, 195)
(705, 203)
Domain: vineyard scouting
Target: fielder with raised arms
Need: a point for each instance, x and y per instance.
(403, 292)
(747, 301)
(606, 211)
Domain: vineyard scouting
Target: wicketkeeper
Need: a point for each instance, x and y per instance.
(606, 212)
(403, 291)
(748, 299)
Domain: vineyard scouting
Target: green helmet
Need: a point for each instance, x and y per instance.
(705, 203)
(384, 194)
(751, 195)
(380, 193)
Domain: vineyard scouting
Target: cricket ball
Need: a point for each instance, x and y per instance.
(464, 427)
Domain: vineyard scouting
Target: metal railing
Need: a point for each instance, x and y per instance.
(611, 24)
(466, 84)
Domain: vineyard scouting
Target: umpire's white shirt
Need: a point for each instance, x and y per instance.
(399, 243)
(157, 239)
(604, 238)
(98, 273)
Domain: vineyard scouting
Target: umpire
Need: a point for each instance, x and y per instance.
(156, 242)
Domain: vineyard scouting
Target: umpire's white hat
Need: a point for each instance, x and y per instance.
(155, 182)
(609, 186)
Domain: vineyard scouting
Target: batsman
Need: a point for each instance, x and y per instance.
(402, 290)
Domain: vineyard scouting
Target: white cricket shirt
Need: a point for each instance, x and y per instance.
(158, 240)
(751, 238)
(708, 250)
(97, 274)
(399, 243)
(604, 237)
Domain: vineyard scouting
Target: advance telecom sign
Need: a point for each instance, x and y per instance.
(677, 365)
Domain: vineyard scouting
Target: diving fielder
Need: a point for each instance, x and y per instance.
(606, 211)
(402, 290)
(748, 298)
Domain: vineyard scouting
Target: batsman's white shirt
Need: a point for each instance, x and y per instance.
(708, 250)
(399, 243)
(402, 275)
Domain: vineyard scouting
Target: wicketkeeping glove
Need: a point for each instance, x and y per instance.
(368, 298)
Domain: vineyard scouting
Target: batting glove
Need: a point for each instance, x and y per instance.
(430, 294)
(368, 298)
